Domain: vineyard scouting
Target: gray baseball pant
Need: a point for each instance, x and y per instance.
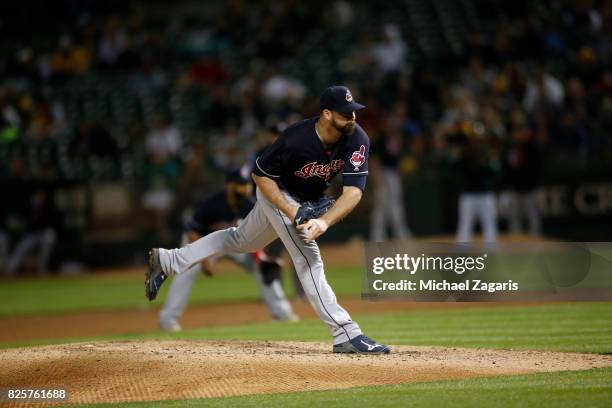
(178, 295)
(263, 225)
(473, 206)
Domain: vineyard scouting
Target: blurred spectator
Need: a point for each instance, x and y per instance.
(587, 67)
(249, 113)
(23, 65)
(164, 148)
(477, 78)
(69, 59)
(576, 97)
(10, 121)
(544, 92)
(343, 12)
(93, 140)
(220, 111)
(39, 238)
(389, 54)
(462, 107)
(279, 88)
(571, 135)
(360, 57)
(388, 57)
(490, 123)
(208, 71)
(159, 197)
(42, 121)
(604, 139)
(230, 148)
(372, 118)
(164, 140)
(113, 42)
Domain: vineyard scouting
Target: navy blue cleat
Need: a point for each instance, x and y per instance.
(155, 276)
(363, 345)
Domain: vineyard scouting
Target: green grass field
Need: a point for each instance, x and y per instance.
(103, 292)
(569, 327)
(572, 327)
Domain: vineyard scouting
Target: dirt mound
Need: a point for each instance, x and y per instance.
(121, 371)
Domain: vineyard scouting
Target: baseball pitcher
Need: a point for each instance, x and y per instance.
(291, 177)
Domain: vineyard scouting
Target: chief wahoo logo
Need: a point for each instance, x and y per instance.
(358, 158)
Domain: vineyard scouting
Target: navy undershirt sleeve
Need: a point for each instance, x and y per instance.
(358, 181)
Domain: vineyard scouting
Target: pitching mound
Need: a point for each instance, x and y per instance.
(121, 371)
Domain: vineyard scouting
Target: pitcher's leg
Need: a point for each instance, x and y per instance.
(252, 234)
(309, 265)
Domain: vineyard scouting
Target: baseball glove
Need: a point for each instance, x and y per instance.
(310, 210)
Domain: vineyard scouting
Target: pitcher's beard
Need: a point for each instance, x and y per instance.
(347, 129)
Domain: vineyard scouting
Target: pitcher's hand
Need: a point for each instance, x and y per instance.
(313, 229)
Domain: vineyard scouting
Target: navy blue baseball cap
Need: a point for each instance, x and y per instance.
(340, 99)
(239, 176)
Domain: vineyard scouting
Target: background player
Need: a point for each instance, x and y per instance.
(220, 210)
(388, 209)
(477, 201)
(294, 170)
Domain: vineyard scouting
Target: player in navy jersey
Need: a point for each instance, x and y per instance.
(294, 170)
(220, 210)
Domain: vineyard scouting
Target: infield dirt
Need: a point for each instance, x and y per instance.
(121, 371)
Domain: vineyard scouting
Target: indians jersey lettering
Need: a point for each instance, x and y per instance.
(303, 166)
(323, 171)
